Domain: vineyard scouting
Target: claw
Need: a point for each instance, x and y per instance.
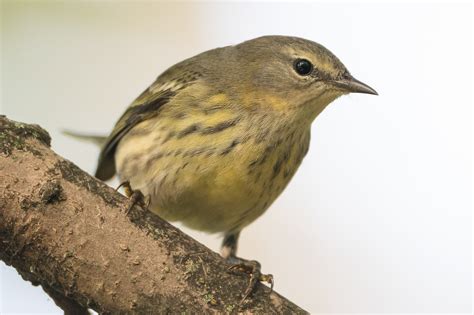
(251, 268)
(122, 184)
(126, 187)
(136, 197)
(268, 279)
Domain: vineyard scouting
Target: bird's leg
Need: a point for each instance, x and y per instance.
(135, 196)
(251, 267)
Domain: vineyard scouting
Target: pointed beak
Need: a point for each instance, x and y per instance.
(353, 85)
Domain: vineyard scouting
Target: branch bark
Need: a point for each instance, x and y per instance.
(66, 231)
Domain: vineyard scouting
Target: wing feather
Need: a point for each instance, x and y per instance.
(146, 106)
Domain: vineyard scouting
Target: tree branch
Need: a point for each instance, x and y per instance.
(66, 231)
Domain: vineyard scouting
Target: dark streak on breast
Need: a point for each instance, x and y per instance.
(220, 126)
(277, 168)
(170, 135)
(231, 146)
(189, 130)
(181, 168)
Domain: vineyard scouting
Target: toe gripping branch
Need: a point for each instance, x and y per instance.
(135, 196)
(252, 268)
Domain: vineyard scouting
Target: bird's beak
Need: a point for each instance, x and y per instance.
(353, 85)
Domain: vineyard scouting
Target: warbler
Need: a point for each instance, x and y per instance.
(217, 137)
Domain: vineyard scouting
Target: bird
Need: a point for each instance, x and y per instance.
(216, 138)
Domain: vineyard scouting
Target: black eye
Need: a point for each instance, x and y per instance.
(303, 66)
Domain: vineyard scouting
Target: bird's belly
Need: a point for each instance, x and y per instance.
(217, 198)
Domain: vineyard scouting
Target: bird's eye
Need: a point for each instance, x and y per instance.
(303, 67)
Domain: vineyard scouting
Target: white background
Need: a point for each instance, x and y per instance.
(378, 218)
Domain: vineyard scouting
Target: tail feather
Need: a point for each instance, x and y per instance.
(96, 139)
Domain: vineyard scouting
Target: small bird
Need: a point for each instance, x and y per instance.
(217, 137)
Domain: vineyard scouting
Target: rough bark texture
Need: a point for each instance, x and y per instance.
(68, 232)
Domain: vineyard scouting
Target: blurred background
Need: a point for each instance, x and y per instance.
(379, 217)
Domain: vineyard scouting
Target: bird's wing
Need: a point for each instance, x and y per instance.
(146, 106)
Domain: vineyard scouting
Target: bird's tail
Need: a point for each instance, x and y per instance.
(96, 139)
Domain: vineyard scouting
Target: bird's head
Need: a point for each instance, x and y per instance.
(290, 74)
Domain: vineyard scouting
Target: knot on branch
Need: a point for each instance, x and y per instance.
(52, 192)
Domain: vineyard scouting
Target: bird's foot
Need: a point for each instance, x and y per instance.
(135, 196)
(252, 268)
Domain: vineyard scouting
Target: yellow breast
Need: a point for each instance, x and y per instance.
(215, 171)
